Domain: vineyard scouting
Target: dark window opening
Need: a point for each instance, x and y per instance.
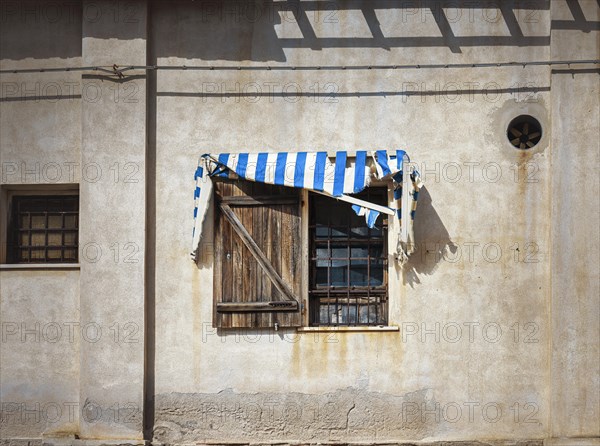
(348, 263)
(43, 229)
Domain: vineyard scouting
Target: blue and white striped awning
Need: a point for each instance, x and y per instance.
(337, 177)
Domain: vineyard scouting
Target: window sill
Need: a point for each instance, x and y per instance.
(38, 266)
(347, 329)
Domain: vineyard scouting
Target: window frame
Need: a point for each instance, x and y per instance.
(7, 193)
(379, 292)
(391, 268)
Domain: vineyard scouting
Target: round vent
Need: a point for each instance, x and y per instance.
(524, 132)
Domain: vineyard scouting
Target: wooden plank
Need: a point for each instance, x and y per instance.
(260, 257)
(241, 307)
(285, 242)
(275, 242)
(291, 260)
(296, 271)
(258, 231)
(250, 265)
(257, 200)
(237, 251)
(226, 256)
(217, 266)
(264, 232)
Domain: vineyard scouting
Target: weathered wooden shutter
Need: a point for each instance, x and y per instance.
(257, 275)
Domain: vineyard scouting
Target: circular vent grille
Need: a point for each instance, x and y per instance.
(524, 132)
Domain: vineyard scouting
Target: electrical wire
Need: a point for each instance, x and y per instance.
(119, 71)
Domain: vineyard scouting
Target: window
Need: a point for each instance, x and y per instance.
(43, 229)
(348, 263)
(265, 271)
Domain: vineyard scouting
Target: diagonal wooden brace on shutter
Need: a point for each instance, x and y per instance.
(289, 304)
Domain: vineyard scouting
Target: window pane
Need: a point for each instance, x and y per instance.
(24, 254)
(37, 254)
(54, 254)
(38, 221)
(336, 315)
(376, 251)
(322, 253)
(359, 251)
(324, 314)
(339, 232)
(377, 231)
(321, 276)
(338, 253)
(351, 318)
(70, 255)
(376, 273)
(321, 231)
(70, 238)
(339, 276)
(360, 232)
(54, 239)
(55, 221)
(339, 263)
(70, 221)
(368, 314)
(38, 239)
(359, 273)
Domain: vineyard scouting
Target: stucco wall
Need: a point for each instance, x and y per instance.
(497, 310)
(39, 350)
(40, 139)
(477, 200)
(575, 235)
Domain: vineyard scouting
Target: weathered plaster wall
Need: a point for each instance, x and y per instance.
(113, 226)
(213, 385)
(70, 128)
(575, 235)
(40, 140)
(39, 353)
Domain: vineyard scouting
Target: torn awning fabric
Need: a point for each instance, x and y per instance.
(337, 177)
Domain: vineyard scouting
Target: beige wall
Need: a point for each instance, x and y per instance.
(575, 238)
(505, 237)
(40, 344)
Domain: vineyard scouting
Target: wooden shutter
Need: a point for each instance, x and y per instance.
(257, 274)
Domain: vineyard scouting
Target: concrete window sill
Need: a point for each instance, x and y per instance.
(38, 266)
(347, 329)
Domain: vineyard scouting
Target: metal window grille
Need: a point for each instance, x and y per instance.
(348, 280)
(44, 229)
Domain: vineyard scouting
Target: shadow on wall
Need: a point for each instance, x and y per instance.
(228, 30)
(432, 241)
(206, 248)
(237, 30)
(38, 30)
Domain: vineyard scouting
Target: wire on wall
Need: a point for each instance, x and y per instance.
(120, 71)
